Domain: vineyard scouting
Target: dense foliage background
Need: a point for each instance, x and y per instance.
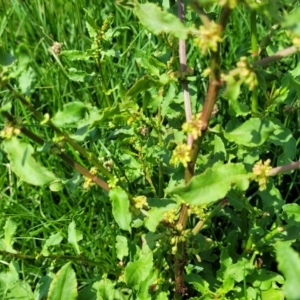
(95, 201)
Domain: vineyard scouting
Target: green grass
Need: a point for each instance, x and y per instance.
(28, 29)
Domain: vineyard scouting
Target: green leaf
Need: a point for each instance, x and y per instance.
(26, 79)
(54, 239)
(105, 289)
(213, 184)
(252, 133)
(72, 113)
(79, 75)
(143, 84)
(198, 283)
(120, 208)
(162, 296)
(75, 55)
(272, 294)
(236, 107)
(291, 214)
(21, 290)
(157, 21)
(283, 137)
(24, 165)
(136, 272)
(292, 21)
(10, 277)
(5, 58)
(264, 279)
(10, 228)
(74, 236)
(155, 215)
(289, 264)
(42, 288)
(87, 293)
(121, 247)
(64, 284)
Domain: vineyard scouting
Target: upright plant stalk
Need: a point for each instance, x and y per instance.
(212, 92)
(213, 89)
(180, 256)
(254, 46)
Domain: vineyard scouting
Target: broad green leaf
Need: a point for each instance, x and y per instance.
(272, 200)
(72, 113)
(26, 79)
(292, 21)
(213, 184)
(155, 215)
(121, 247)
(5, 58)
(87, 293)
(42, 288)
(10, 277)
(74, 236)
(24, 165)
(199, 283)
(272, 294)
(79, 75)
(54, 239)
(143, 84)
(231, 93)
(120, 208)
(289, 264)
(252, 133)
(264, 279)
(21, 290)
(75, 55)
(157, 21)
(283, 137)
(64, 284)
(137, 271)
(162, 296)
(291, 214)
(105, 289)
(235, 272)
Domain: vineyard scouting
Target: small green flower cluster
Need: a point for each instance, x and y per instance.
(112, 183)
(181, 154)
(261, 171)
(193, 126)
(244, 72)
(208, 38)
(198, 210)
(140, 202)
(88, 182)
(171, 216)
(10, 130)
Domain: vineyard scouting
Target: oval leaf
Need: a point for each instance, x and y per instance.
(157, 21)
(64, 284)
(136, 272)
(72, 113)
(289, 264)
(24, 165)
(252, 133)
(120, 208)
(214, 184)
